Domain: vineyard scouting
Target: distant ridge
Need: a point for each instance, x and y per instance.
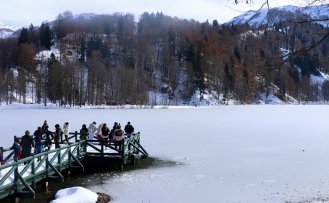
(6, 30)
(283, 14)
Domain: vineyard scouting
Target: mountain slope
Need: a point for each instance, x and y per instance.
(284, 14)
(110, 59)
(6, 30)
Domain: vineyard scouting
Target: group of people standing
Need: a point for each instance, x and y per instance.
(41, 138)
(103, 132)
(44, 138)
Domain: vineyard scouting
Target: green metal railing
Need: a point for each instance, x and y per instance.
(20, 177)
(125, 148)
(25, 173)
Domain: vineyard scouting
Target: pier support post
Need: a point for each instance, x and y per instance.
(76, 136)
(34, 185)
(47, 187)
(132, 160)
(1, 156)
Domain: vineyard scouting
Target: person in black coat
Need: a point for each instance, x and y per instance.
(129, 129)
(105, 130)
(48, 136)
(57, 135)
(111, 135)
(44, 126)
(84, 132)
(38, 141)
(27, 144)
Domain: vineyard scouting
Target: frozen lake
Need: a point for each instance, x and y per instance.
(223, 154)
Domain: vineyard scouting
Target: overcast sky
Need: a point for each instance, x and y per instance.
(25, 12)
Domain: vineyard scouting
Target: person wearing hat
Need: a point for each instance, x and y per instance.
(92, 129)
(27, 145)
(84, 132)
(105, 133)
(129, 129)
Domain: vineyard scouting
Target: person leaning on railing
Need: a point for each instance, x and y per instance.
(92, 129)
(118, 133)
(129, 129)
(105, 132)
(84, 132)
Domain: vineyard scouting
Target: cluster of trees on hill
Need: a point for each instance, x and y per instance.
(112, 59)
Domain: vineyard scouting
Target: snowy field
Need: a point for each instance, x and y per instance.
(265, 153)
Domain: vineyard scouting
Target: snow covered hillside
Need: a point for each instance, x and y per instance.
(284, 14)
(93, 59)
(6, 30)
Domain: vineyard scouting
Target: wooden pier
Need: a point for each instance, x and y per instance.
(20, 180)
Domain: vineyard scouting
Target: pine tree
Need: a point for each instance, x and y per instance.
(33, 35)
(215, 25)
(45, 36)
(24, 37)
(83, 49)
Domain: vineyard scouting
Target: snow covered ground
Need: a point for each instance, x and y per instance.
(75, 194)
(264, 153)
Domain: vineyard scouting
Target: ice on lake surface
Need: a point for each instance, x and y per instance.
(222, 154)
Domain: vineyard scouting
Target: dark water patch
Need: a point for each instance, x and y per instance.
(92, 176)
(148, 163)
(154, 162)
(97, 175)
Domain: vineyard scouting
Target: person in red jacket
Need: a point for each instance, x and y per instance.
(17, 149)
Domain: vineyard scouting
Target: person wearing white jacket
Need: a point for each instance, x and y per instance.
(92, 129)
(66, 130)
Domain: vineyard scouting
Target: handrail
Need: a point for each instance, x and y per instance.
(10, 155)
(22, 175)
(16, 176)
